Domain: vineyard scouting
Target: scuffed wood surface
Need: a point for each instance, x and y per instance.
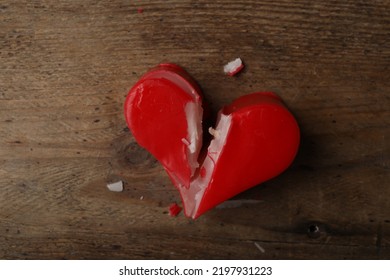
(66, 67)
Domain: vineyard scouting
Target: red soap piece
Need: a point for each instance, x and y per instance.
(255, 138)
(160, 109)
(140, 10)
(174, 210)
(262, 139)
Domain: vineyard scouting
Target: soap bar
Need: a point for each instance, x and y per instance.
(255, 137)
(164, 111)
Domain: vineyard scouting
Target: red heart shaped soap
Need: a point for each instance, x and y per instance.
(255, 138)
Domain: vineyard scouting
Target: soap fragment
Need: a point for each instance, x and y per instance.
(174, 210)
(233, 67)
(258, 246)
(115, 187)
(214, 132)
(185, 141)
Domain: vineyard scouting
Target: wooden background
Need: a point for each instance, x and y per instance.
(66, 67)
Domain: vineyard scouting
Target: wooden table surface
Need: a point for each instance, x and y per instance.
(66, 67)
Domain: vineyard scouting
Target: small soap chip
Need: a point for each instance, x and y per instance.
(214, 132)
(174, 210)
(233, 67)
(115, 187)
(140, 10)
(258, 246)
(185, 141)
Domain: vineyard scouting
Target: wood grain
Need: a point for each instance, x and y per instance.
(66, 67)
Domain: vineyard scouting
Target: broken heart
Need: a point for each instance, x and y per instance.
(255, 137)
